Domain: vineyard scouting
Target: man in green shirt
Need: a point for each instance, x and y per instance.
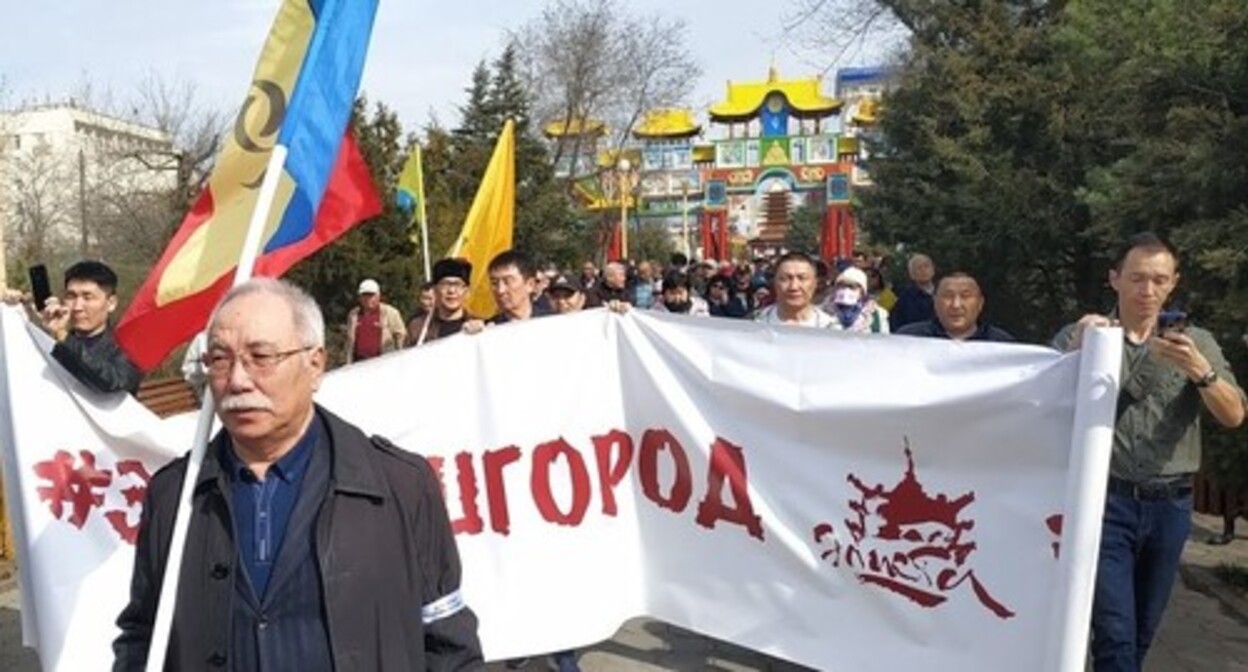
(1169, 373)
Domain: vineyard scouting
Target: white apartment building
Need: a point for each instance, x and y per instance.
(63, 166)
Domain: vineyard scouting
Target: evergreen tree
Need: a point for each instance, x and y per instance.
(986, 151)
(1026, 141)
(651, 240)
(1184, 119)
(803, 232)
(546, 228)
(507, 97)
(478, 117)
(448, 190)
(379, 248)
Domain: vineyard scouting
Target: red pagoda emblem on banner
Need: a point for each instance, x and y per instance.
(908, 542)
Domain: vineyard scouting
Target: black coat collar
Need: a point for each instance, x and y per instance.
(352, 470)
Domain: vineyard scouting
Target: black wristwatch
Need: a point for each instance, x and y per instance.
(1207, 379)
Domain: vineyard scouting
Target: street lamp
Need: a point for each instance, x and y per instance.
(684, 214)
(622, 168)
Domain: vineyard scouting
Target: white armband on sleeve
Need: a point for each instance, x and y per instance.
(443, 607)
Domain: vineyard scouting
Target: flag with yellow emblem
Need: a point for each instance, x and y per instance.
(301, 97)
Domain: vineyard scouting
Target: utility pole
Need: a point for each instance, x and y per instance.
(7, 549)
(684, 216)
(4, 221)
(82, 201)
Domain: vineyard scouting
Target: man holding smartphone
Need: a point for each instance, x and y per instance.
(1170, 372)
(84, 338)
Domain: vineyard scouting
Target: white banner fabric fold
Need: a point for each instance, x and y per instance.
(844, 502)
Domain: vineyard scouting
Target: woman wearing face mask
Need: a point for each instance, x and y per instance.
(677, 298)
(853, 307)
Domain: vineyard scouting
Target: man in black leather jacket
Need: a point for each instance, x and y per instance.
(84, 338)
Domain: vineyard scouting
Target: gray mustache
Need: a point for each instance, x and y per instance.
(251, 401)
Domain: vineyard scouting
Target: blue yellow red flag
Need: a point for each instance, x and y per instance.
(490, 221)
(301, 97)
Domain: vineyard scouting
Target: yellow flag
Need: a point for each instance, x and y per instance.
(488, 227)
(411, 198)
(411, 191)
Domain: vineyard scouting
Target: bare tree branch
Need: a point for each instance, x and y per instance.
(593, 60)
(836, 29)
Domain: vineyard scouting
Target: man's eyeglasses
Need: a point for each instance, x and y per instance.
(220, 363)
(452, 285)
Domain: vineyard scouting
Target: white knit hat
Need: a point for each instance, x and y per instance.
(853, 276)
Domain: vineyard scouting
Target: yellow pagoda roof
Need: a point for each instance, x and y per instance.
(868, 112)
(564, 127)
(746, 98)
(667, 123)
(610, 158)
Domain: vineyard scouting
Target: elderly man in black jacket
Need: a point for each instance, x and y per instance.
(311, 546)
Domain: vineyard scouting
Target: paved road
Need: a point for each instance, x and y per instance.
(13, 658)
(1200, 633)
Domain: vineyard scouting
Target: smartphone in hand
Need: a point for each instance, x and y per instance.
(1171, 320)
(40, 286)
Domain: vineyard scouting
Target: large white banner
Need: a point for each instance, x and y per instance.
(845, 502)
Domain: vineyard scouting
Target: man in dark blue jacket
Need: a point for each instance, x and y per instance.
(914, 304)
(958, 304)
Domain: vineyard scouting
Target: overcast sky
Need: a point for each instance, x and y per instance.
(420, 59)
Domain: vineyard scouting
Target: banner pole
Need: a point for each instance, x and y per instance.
(163, 624)
(1091, 443)
(424, 250)
(424, 221)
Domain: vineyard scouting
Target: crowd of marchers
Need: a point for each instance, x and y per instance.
(1172, 372)
(787, 289)
(302, 542)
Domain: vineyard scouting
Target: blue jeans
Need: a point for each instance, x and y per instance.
(565, 661)
(1141, 542)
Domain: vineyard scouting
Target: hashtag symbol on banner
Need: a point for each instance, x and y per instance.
(79, 486)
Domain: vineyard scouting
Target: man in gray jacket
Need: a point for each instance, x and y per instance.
(1172, 373)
